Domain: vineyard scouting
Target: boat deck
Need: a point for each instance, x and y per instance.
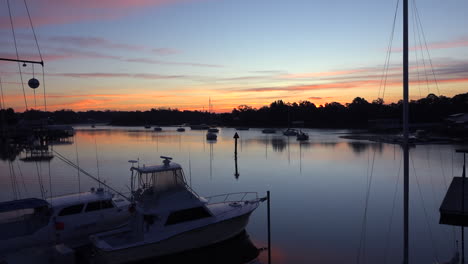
(454, 208)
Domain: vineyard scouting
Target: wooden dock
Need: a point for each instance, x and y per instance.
(454, 208)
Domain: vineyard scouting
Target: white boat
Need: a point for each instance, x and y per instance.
(68, 219)
(170, 217)
(269, 131)
(290, 132)
(211, 136)
(302, 136)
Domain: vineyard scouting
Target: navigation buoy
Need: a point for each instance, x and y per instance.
(33, 83)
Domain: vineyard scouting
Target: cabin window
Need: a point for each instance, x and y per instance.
(99, 205)
(187, 215)
(70, 210)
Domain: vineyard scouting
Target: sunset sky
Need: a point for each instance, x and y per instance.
(143, 54)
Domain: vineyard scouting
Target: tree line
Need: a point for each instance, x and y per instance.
(278, 114)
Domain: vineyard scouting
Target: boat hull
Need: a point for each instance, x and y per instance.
(192, 239)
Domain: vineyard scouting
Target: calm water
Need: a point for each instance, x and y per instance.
(318, 188)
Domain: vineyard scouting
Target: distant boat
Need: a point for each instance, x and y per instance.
(199, 127)
(180, 129)
(171, 218)
(213, 130)
(290, 132)
(242, 128)
(301, 136)
(269, 131)
(157, 129)
(147, 126)
(211, 136)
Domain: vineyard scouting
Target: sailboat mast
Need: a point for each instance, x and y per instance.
(405, 135)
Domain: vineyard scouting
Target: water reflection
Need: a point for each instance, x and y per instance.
(237, 250)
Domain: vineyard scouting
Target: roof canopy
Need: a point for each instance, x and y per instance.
(28, 203)
(157, 168)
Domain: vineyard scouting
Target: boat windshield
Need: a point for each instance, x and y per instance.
(163, 181)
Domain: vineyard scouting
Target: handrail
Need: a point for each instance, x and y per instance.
(228, 195)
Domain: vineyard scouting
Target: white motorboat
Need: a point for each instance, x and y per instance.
(211, 136)
(290, 132)
(170, 217)
(68, 219)
(302, 136)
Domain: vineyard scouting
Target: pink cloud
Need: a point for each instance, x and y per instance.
(457, 43)
(117, 75)
(321, 74)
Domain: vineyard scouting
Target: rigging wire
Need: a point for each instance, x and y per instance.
(383, 81)
(97, 162)
(39, 179)
(362, 241)
(418, 28)
(34, 32)
(69, 162)
(427, 48)
(416, 57)
(78, 164)
(22, 180)
(395, 192)
(434, 248)
(17, 54)
(2, 99)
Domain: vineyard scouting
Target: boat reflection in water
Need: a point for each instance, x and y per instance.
(237, 250)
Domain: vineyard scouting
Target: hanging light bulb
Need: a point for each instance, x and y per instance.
(33, 83)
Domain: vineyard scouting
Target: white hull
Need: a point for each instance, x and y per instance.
(192, 239)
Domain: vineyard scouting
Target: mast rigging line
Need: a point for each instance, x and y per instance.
(69, 162)
(17, 55)
(383, 81)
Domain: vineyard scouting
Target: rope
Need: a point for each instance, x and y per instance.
(387, 57)
(17, 55)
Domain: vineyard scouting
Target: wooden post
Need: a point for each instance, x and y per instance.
(269, 227)
(464, 151)
(236, 173)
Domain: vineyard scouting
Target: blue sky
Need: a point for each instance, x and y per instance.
(140, 54)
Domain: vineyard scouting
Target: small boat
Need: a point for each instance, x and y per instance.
(199, 127)
(211, 136)
(157, 129)
(301, 136)
(269, 131)
(171, 218)
(147, 126)
(180, 129)
(69, 219)
(213, 130)
(290, 132)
